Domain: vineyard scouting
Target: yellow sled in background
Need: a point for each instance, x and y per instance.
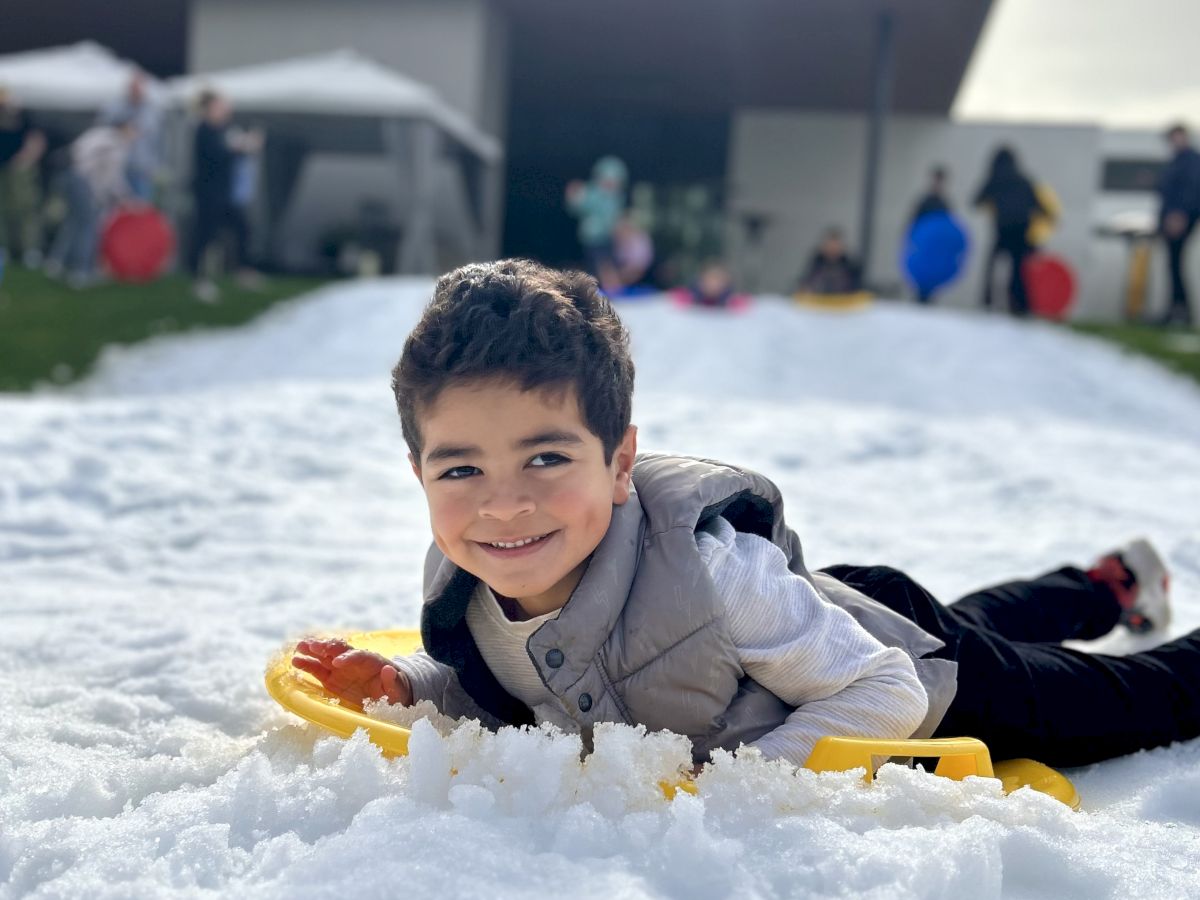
(300, 693)
(851, 302)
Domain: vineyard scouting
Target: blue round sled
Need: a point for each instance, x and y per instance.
(935, 252)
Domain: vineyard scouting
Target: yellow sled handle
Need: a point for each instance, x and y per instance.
(957, 757)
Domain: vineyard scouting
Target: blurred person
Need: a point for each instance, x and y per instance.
(832, 270)
(934, 199)
(21, 148)
(216, 150)
(713, 285)
(1013, 202)
(1179, 193)
(146, 155)
(97, 182)
(633, 251)
(247, 167)
(598, 204)
(933, 202)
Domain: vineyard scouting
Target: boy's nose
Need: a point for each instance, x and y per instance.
(505, 505)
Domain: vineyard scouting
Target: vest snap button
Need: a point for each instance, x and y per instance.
(554, 658)
(585, 702)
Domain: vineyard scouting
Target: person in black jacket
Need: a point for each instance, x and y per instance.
(934, 199)
(831, 270)
(1013, 202)
(215, 153)
(932, 202)
(1179, 191)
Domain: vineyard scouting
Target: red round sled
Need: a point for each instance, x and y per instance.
(685, 296)
(1050, 284)
(136, 244)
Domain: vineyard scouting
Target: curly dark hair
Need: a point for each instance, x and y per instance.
(520, 321)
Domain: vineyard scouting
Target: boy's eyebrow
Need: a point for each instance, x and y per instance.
(447, 451)
(443, 452)
(550, 437)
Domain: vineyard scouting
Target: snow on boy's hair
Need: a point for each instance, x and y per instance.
(518, 321)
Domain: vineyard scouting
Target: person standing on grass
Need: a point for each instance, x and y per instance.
(1013, 202)
(145, 157)
(97, 182)
(216, 150)
(21, 147)
(1179, 192)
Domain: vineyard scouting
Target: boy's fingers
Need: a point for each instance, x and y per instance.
(395, 685)
(311, 666)
(388, 679)
(352, 658)
(323, 648)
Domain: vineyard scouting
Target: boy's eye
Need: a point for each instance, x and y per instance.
(458, 472)
(544, 460)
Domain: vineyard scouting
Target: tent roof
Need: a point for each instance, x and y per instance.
(341, 83)
(77, 77)
(83, 76)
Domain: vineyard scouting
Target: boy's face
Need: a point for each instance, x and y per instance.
(519, 494)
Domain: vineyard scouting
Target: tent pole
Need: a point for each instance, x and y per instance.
(881, 97)
(418, 253)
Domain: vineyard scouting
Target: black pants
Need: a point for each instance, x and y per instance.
(212, 217)
(1012, 241)
(1022, 693)
(1179, 309)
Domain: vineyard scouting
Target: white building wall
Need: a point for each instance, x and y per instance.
(438, 42)
(804, 171)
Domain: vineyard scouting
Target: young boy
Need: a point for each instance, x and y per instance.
(574, 581)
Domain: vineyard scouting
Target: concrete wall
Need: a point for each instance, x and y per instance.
(804, 171)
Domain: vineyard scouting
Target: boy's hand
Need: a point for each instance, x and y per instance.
(353, 675)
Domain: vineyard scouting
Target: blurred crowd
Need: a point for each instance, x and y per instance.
(55, 206)
(56, 203)
(620, 252)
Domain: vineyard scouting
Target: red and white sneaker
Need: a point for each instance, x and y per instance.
(1138, 577)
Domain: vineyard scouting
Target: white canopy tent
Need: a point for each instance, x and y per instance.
(345, 103)
(79, 78)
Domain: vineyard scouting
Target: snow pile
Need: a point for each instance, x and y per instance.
(205, 497)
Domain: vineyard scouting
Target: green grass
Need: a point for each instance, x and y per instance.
(1176, 348)
(52, 333)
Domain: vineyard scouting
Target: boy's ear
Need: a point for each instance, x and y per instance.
(623, 458)
(416, 467)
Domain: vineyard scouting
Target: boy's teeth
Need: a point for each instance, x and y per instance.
(506, 545)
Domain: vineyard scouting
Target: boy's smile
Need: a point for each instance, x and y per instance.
(519, 493)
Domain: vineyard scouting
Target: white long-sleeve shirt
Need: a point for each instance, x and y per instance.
(811, 654)
(99, 156)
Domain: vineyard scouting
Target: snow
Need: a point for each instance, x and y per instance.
(167, 526)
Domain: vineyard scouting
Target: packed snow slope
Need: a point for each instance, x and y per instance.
(166, 527)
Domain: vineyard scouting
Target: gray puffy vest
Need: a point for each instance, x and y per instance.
(643, 638)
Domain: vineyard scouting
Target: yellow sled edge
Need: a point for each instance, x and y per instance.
(957, 758)
(304, 696)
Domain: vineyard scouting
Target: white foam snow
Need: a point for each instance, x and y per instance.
(166, 526)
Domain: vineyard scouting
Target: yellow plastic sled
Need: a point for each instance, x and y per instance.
(1044, 221)
(300, 693)
(834, 302)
